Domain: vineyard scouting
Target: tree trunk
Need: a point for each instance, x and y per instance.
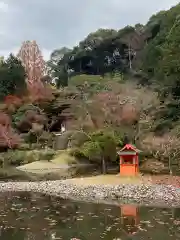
(103, 166)
(129, 55)
(37, 139)
(3, 164)
(170, 170)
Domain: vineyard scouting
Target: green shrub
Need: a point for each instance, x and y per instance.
(101, 146)
(37, 155)
(24, 147)
(47, 154)
(20, 157)
(46, 139)
(15, 158)
(64, 157)
(12, 174)
(78, 153)
(78, 138)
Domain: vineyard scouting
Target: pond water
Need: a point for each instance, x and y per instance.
(33, 216)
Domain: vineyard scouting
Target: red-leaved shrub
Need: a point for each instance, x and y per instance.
(8, 138)
(40, 92)
(14, 100)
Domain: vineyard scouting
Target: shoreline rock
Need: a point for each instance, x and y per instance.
(151, 195)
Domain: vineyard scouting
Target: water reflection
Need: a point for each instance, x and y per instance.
(32, 216)
(129, 219)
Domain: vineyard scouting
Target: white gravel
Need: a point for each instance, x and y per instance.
(141, 194)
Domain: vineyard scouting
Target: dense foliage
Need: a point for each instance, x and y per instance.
(12, 77)
(124, 82)
(152, 48)
(101, 52)
(101, 147)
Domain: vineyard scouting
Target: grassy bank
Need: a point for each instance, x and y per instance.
(107, 179)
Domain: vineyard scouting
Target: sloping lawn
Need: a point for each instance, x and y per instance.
(106, 179)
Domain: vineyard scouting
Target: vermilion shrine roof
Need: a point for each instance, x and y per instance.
(129, 148)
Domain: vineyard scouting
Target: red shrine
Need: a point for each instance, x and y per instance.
(129, 161)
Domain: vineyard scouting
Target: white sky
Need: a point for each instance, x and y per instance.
(57, 23)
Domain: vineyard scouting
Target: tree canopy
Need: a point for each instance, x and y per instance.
(151, 48)
(12, 77)
(101, 52)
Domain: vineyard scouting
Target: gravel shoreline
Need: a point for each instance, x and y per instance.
(151, 195)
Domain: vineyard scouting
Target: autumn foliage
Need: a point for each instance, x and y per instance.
(31, 117)
(109, 108)
(14, 100)
(114, 111)
(32, 60)
(40, 92)
(8, 138)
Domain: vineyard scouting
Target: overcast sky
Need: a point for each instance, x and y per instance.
(57, 23)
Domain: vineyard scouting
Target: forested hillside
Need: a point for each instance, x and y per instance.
(149, 53)
(146, 55)
(152, 48)
(116, 86)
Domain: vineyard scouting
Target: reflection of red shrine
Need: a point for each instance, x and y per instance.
(129, 218)
(129, 162)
